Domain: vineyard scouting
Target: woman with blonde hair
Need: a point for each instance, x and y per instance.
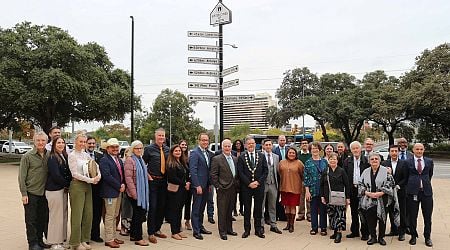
(80, 192)
(137, 190)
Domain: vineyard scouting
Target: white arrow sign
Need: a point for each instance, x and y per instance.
(204, 98)
(231, 83)
(238, 98)
(205, 34)
(230, 70)
(220, 15)
(208, 48)
(193, 72)
(203, 60)
(202, 85)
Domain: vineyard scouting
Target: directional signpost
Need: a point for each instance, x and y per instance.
(208, 48)
(214, 61)
(194, 72)
(231, 83)
(202, 85)
(204, 98)
(220, 15)
(230, 70)
(238, 98)
(204, 34)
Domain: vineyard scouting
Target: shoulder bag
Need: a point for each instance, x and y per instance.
(337, 198)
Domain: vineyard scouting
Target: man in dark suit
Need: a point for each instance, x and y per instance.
(354, 166)
(419, 190)
(225, 179)
(252, 169)
(112, 185)
(199, 164)
(404, 154)
(368, 148)
(342, 153)
(155, 156)
(397, 168)
(97, 201)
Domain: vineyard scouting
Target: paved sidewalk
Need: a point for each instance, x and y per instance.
(12, 228)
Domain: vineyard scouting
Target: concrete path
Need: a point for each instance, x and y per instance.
(12, 228)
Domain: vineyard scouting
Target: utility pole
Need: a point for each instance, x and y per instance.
(132, 78)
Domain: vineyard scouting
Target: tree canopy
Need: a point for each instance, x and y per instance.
(48, 77)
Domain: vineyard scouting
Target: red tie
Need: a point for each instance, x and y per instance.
(419, 166)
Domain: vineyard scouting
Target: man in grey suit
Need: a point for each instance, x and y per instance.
(225, 179)
(271, 185)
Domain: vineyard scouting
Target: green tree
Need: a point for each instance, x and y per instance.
(117, 130)
(50, 78)
(173, 107)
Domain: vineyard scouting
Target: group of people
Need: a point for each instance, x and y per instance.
(159, 182)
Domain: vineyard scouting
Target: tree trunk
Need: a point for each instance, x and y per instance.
(324, 131)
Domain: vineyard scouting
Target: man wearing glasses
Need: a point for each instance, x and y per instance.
(368, 148)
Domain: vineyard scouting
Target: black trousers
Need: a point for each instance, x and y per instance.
(175, 202)
(372, 219)
(157, 200)
(225, 206)
(187, 204)
(426, 203)
(137, 220)
(97, 210)
(36, 218)
(354, 209)
(258, 195)
(402, 205)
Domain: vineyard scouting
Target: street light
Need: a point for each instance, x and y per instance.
(170, 124)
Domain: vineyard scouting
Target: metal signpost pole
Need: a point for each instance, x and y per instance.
(132, 78)
(221, 81)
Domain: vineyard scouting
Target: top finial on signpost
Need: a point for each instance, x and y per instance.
(220, 14)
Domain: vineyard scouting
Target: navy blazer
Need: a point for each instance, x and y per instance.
(413, 186)
(261, 171)
(111, 178)
(199, 168)
(400, 175)
(277, 151)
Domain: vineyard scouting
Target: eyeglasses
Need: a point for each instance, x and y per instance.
(374, 159)
(304, 143)
(138, 148)
(91, 143)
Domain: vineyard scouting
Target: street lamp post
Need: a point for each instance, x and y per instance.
(132, 78)
(170, 124)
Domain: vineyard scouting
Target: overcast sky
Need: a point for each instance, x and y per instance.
(272, 36)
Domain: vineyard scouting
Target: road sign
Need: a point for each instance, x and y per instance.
(208, 48)
(193, 72)
(220, 15)
(238, 98)
(231, 83)
(203, 85)
(205, 34)
(230, 70)
(203, 60)
(203, 98)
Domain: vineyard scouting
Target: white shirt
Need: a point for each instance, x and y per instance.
(393, 166)
(356, 171)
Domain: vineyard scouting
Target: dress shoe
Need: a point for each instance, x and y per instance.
(98, 240)
(119, 241)
(428, 243)
(300, 218)
(260, 235)
(35, 247)
(232, 233)
(365, 237)
(245, 234)
(371, 241)
(112, 244)
(412, 241)
(176, 237)
(275, 230)
(223, 237)
(141, 243)
(382, 241)
(198, 236)
(233, 219)
(352, 235)
(160, 235)
(401, 237)
(43, 245)
(152, 239)
(211, 220)
(204, 231)
(338, 238)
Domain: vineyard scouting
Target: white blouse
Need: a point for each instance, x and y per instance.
(77, 159)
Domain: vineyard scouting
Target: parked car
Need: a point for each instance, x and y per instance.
(16, 147)
(2, 142)
(384, 151)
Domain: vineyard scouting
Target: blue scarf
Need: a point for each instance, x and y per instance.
(141, 182)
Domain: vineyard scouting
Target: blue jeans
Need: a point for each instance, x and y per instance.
(318, 209)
